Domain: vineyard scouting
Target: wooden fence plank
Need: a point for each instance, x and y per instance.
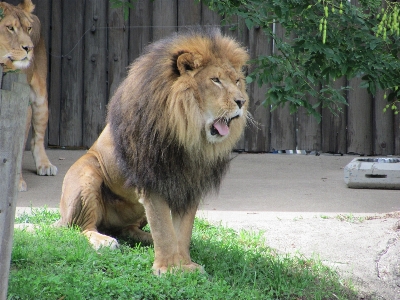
(359, 122)
(189, 13)
(241, 34)
(72, 73)
(13, 110)
(283, 130)
(55, 86)
(334, 126)
(95, 71)
(283, 134)
(209, 17)
(118, 60)
(308, 129)
(141, 30)
(43, 12)
(257, 133)
(164, 18)
(397, 135)
(383, 143)
(230, 27)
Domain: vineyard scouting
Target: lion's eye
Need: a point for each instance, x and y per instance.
(10, 28)
(216, 80)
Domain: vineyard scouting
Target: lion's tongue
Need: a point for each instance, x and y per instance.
(221, 127)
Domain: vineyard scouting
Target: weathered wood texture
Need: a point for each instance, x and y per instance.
(334, 126)
(165, 18)
(72, 100)
(283, 124)
(309, 135)
(117, 51)
(90, 46)
(95, 71)
(55, 74)
(257, 134)
(359, 119)
(383, 124)
(14, 100)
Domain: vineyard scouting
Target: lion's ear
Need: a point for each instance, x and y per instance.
(188, 61)
(27, 6)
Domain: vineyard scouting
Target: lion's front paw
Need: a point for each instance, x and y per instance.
(46, 169)
(99, 240)
(22, 187)
(190, 267)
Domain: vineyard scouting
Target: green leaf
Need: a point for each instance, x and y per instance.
(249, 23)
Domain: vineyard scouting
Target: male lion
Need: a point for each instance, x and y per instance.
(171, 126)
(22, 47)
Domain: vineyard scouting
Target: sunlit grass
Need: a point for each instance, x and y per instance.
(58, 263)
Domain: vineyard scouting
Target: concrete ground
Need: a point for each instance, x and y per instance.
(301, 203)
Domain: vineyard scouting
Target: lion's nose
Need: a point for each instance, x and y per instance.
(27, 48)
(240, 102)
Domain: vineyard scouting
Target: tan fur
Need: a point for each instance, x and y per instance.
(160, 151)
(22, 48)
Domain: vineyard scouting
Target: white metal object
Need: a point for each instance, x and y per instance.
(373, 173)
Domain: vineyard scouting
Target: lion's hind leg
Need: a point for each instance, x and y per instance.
(136, 233)
(82, 201)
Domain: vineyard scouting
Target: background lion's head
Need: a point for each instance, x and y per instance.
(19, 32)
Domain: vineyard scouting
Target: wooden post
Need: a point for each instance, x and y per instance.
(13, 109)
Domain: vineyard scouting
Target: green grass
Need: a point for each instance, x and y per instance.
(60, 264)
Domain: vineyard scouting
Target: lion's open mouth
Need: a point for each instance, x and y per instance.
(14, 60)
(221, 126)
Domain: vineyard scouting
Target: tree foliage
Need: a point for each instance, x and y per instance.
(329, 39)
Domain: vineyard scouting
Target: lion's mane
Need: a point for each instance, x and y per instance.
(156, 124)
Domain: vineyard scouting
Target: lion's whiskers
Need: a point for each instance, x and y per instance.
(252, 121)
(222, 114)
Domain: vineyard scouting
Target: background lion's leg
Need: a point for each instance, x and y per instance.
(169, 251)
(40, 113)
(40, 117)
(22, 187)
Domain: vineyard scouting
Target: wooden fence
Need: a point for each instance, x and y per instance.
(90, 45)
